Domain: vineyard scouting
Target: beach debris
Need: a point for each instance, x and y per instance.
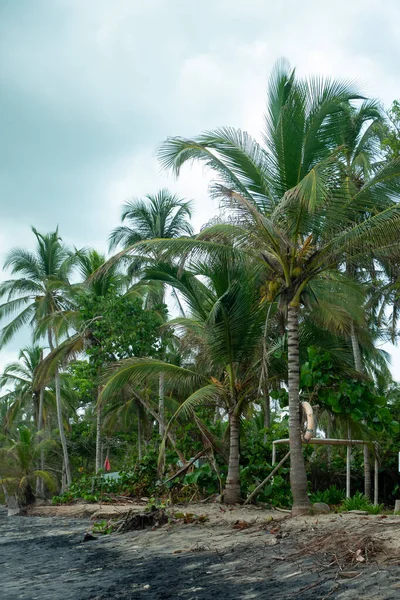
(136, 521)
(241, 525)
(88, 537)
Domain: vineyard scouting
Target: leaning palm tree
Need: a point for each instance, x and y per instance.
(39, 290)
(293, 212)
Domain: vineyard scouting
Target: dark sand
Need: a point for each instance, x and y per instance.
(45, 558)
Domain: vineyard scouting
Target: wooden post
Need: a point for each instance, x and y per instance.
(348, 466)
(273, 453)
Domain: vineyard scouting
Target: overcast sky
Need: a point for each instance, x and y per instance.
(90, 88)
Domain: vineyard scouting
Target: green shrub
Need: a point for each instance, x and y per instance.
(361, 502)
(332, 495)
(140, 481)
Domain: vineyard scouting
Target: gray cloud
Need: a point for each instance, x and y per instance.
(90, 88)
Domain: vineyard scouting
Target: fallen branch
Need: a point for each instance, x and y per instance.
(259, 487)
(183, 469)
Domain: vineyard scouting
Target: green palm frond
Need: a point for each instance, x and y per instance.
(136, 371)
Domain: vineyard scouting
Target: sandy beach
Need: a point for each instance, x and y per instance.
(228, 557)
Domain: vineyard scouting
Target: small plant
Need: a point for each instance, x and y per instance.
(375, 509)
(361, 502)
(332, 495)
(104, 527)
(156, 504)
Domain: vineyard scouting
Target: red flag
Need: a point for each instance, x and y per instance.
(107, 466)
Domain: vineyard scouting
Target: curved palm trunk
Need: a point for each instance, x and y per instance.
(232, 487)
(61, 429)
(298, 477)
(358, 366)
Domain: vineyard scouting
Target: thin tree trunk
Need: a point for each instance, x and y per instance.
(232, 487)
(63, 439)
(348, 466)
(267, 414)
(139, 435)
(61, 428)
(98, 438)
(146, 405)
(359, 369)
(356, 350)
(161, 405)
(40, 425)
(298, 477)
(367, 473)
(329, 448)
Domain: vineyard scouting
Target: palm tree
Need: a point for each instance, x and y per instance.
(24, 449)
(39, 292)
(293, 212)
(20, 375)
(159, 216)
(225, 330)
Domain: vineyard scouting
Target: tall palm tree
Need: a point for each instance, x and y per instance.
(39, 290)
(293, 213)
(159, 216)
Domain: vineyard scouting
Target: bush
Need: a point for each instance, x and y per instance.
(332, 495)
(141, 481)
(360, 502)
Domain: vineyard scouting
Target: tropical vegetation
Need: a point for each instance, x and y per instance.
(178, 359)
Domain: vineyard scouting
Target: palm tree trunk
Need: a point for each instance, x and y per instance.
(348, 466)
(298, 477)
(61, 428)
(367, 473)
(356, 350)
(139, 436)
(329, 448)
(232, 487)
(39, 481)
(267, 414)
(359, 369)
(98, 438)
(161, 405)
(63, 439)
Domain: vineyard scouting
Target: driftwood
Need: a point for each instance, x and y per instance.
(136, 521)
